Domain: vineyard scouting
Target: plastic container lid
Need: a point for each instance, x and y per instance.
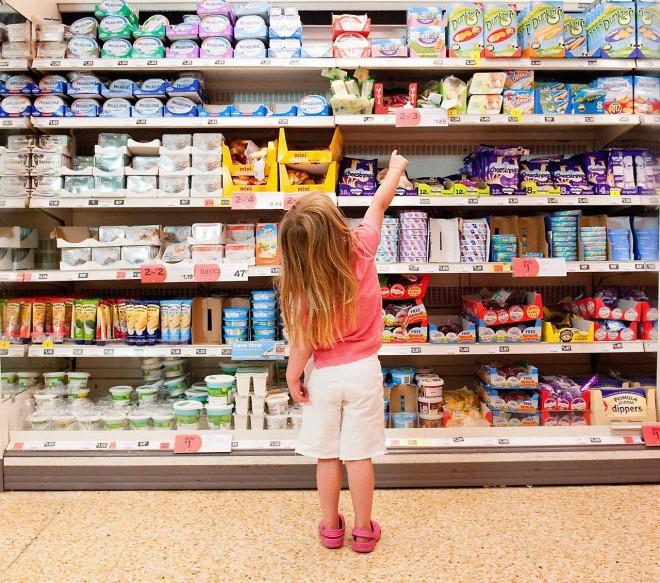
(219, 381)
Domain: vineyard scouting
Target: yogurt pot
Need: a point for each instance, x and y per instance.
(114, 419)
(139, 420)
(187, 413)
(258, 402)
(195, 395)
(54, 379)
(77, 380)
(62, 420)
(277, 404)
(431, 407)
(432, 388)
(403, 420)
(121, 395)
(26, 379)
(276, 421)
(88, 421)
(242, 404)
(235, 313)
(296, 421)
(228, 368)
(175, 367)
(256, 421)
(219, 417)
(240, 421)
(39, 421)
(163, 419)
(176, 384)
(219, 386)
(147, 394)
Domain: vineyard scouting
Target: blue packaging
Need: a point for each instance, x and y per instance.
(180, 107)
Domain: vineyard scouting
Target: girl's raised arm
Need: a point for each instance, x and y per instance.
(385, 193)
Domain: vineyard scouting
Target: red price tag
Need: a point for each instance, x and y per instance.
(187, 443)
(207, 272)
(407, 117)
(120, 275)
(651, 435)
(290, 200)
(525, 267)
(243, 200)
(153, 273)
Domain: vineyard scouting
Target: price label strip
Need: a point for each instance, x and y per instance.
(407, 117)
(196, 443)
(542, 267)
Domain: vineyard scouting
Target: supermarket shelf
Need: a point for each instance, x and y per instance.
(500, 119)
(184, 275)
(650, 120)
(192, 123)
(490, 201)
(14, 123)
(13, 203)
(651, 346)
(14, 351)
(112, 350)
(13, 65)
(128, 202)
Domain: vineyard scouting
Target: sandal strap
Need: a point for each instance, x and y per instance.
(334, 532)
(374, 533)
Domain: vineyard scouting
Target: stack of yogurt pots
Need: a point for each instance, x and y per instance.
(264, 315)
(12, 383)
(250, 396)
(235, 324)
(219, 406)
(166, 374)
(431, 413)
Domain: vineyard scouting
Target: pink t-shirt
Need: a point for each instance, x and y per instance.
(366, 339)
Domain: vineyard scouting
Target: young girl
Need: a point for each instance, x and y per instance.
(332, 307)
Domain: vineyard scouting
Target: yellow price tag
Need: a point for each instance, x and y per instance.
(47, 344)
(5, 344)
(460, 190)
(517, 114)
(615, 192)
(476, 57)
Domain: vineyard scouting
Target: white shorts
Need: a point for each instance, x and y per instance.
(344, 418)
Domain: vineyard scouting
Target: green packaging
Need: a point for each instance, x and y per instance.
(115, 8)
(115, 27)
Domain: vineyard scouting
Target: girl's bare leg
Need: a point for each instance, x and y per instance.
(328, 483)
(361, 484)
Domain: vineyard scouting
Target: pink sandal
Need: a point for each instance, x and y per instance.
(373, 535)
(333, 538)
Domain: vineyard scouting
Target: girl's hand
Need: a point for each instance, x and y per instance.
(398, 162)
(298, 392)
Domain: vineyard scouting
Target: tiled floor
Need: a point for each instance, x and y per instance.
(596, 534)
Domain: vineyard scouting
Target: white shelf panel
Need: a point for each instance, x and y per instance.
(13, 203)
(121, 350)
(647, 64)
(490, 201)
(531, 348)
(14, 351)
(128, 202)
(13, 65)
(46, 123)
(14, 123)
(650, 120)
(500, 119)
(650, 346)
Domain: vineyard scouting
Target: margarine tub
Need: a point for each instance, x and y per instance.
(148, 48)
(228, 368)
(113, 419)
(78, 380)
(26, 379)
(187, 413)
(196, 395)
(219, 416)
(139, 419)
(147, 393)
(121, 395)
(219, 387)
(54, 379)
(163, 418)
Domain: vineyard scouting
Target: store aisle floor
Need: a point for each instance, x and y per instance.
(604, 534)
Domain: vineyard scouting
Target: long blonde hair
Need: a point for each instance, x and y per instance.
(317, 286)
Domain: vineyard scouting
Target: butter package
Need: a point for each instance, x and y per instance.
(121, 8)
(646, 95)
(141, 186)
(541, 29)
(285, 24)
(648, 29)
(47, 185)
(501, 31)
(12, 186)
(82, 47)
(427, 41)
(465, 30)
(15, 164)
(253, 48)
(209, 185)
(115, 27)
(316, 50)
(178, 186)
(575, 35)
(49, 164)
(116, 48)
(216, 48)
(487, 83)
(148, 48)
(153, 27)
(51, 50)
(109, 185)
(79, 185)
(15, 50)
(611, 29)
(389, 47)
(518, 100)
(484, 105)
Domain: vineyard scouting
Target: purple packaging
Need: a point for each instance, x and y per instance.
(595, 169)
(182, 49)
(185, 30)
(501, 173)
(216, 48)
(216, 25)
(569, 177)
(206, 7)
(536, 172)
(358, 177)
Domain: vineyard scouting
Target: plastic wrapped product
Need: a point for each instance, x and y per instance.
(253, 48)
(86, 26)
(116, 107)
(148, 48)
(85, 108)
(115, 27)
(183, 49)
(148, 107)
(51, 49)
(219, 26)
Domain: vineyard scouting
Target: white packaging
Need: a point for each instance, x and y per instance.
(207, 233)
(208, 185)
(444, 243)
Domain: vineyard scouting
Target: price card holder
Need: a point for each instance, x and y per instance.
(195, 443)
(206, 272)
(290, 200)
(153, 273)
(258, 350)
(651, 435)
(532, 267)
(406, 117)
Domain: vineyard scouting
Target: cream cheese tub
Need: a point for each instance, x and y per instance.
(219, 386)
(139, 420)
(277, 404)
(219, 417)
(77, 380)
(121, 395)
(27, 379)
(114, 419)
(163, 419)
(147, 393)
(54, 379)
(196, 395)
(187, 414)
(276, 421)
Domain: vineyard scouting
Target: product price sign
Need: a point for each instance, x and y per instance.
(206, 272)
(153, 273)
(194, 443)
(407, 117)
(651, 435)
(290, 200)
(532, 267)
(258, 350)
(243, 201)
